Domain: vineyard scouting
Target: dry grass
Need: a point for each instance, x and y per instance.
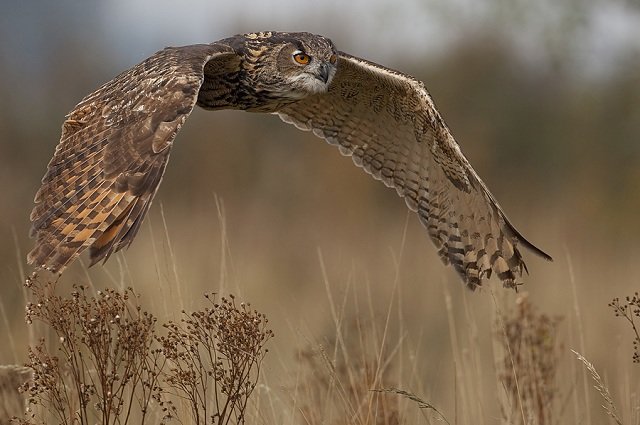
(101, 364)
(364, 366)
(106, 361)
(419, 402)
(601, 387)
(629, 310)
(12, 401)
(527, 367)
(108, 364)
(214, 358)
(337, 379)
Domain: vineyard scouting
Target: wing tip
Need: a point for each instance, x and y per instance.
(521, 239)
(531, 247)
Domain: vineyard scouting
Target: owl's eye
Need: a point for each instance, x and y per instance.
(301, 58)
(333, 59)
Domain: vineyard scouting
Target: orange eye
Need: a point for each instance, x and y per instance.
(333, 59)
(302, 58)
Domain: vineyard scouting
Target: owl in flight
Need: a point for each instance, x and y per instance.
(115, 145)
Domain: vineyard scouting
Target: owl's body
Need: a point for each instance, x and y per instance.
(115, 145)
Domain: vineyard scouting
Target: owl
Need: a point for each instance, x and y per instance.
(116, 142)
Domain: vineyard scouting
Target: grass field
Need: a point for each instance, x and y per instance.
(375, 321)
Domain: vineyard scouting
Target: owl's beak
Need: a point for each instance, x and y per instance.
(323, 73)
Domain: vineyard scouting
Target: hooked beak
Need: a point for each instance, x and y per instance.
(323, 73)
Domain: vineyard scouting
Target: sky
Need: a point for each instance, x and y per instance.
(592, 37)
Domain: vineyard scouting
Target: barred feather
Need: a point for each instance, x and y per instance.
(111, 157)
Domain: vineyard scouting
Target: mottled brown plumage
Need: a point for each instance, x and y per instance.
(116, 142)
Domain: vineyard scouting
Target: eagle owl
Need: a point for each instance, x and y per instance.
(115, 145)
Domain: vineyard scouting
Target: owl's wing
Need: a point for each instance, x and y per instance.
(387, 122)
(112, 154)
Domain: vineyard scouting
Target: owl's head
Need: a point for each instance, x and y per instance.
(291, 65)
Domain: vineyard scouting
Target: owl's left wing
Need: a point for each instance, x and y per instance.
(386, 121)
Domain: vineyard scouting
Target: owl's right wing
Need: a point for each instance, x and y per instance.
(112, 154)
(386, 121)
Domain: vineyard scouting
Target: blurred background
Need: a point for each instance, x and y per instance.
(544, 98)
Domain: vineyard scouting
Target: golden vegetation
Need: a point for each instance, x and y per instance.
(107, 361)
(108, 365)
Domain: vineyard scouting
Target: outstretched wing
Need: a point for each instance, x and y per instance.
(112, 154)
(387, 122)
